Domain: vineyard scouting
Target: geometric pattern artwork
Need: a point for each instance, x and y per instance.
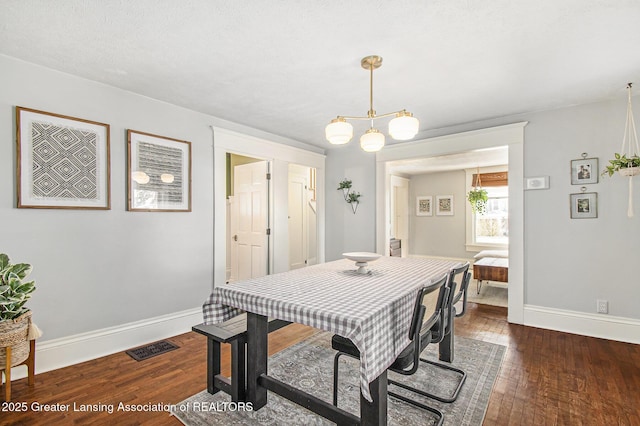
(63, 162)
(159, 173)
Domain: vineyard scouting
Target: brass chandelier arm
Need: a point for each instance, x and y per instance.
(374, 117)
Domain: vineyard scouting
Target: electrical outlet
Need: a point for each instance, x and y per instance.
(602, 306)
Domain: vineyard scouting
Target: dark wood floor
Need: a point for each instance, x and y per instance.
(547, 378)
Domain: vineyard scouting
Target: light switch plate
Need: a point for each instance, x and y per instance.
(540, 182)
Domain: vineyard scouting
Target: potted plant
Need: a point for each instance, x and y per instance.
(625, 166)
(478, 199)
(354, 199)
(345, 186)
(15, 318)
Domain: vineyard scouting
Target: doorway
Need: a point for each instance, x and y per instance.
(511, 135)
(302, 221)
(399, 216)
(248, 217)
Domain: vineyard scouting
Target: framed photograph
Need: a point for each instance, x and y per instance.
(584, 205)
(424, 205)
(584, 171)
(444, 205)
(158, 173)
(63, 162)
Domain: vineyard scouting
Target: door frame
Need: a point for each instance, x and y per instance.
(279, 156)
(509, 134)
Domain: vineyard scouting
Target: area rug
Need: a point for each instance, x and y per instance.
(308, 365)
(495, 294)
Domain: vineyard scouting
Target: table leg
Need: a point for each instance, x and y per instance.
(375, 413)
(257, 330)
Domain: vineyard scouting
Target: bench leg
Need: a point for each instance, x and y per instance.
(213, 365)
(478, 286)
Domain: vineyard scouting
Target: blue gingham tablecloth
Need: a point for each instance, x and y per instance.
(373, 310)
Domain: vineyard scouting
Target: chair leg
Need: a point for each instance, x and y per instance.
(447, 399)
(7, 374)
(435, 411)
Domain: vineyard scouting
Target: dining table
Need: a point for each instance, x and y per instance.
(373, 309)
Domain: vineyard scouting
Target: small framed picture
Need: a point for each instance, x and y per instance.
(424, 205)
(584, 205)
(63, 162)
(444, 205)
(584, 171)
(158, 173)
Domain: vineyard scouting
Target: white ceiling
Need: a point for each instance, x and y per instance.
(288, 67)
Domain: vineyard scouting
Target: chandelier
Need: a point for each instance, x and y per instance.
(403, 127)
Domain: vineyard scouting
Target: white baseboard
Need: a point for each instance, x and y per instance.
(594, 325)
(70, 350)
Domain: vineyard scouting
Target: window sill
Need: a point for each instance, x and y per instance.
(485, 246)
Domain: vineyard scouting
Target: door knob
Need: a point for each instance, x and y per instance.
(235, 238)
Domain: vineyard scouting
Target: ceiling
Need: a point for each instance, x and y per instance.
(288, 67)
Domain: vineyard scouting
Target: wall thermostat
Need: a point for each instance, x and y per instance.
(541, 182)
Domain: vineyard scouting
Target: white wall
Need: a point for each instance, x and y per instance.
(347, 232)
(442, 236)
(98, 269)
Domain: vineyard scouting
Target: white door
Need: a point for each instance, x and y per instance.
(297, 213)
(249, 254)
(400, 211)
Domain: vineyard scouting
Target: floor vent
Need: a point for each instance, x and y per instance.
(151, 350)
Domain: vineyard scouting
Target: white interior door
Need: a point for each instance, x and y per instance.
(297, 214)
(251, 213)
(400, 211)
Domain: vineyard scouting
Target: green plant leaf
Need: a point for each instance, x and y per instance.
(4, 261)
(14, 293)
(21, 269)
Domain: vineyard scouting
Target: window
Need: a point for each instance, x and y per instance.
(492, 227)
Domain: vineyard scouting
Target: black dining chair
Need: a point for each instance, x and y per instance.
(407, 362)
(462, 295)
(458, 279)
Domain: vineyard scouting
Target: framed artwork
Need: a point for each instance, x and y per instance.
(584, 205)
(424, 205)
(584, 171)
(158, 173)
(62, 161)
(444, 205)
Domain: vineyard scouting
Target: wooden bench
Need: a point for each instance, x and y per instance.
(490, 269)
(233, 332)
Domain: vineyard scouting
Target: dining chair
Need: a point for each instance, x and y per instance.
(457, 279)
(462, 295)
(420, 330)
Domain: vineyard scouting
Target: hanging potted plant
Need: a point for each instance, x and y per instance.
(15, 318)
(625, 166)
(478, 199)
